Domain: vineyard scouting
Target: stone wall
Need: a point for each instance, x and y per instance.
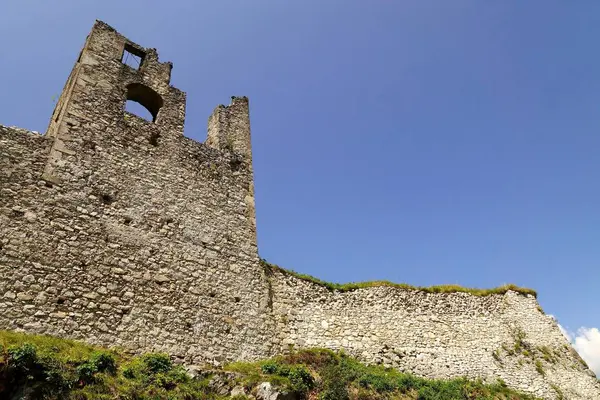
(142, 254)
(436, 335)
(122, 232)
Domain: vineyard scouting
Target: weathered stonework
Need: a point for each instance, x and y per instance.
(121, 231)
(436, 335)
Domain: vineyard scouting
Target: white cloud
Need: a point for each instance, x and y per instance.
(587, 343)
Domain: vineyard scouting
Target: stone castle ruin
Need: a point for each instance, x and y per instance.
(122, 232)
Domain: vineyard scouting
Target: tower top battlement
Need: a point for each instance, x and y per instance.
(111, 70)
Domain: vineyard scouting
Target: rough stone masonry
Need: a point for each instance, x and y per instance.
(122, 232)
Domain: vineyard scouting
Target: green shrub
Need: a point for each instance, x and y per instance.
(23, 358)
(379, 382)
(170, 379)
(43, 375)
(270, 367)
(442, 390)
(99, 362)
(334, 383)
(335, 391)
(301, 380)
(157, 362)
(104, 362)
(406, 383)
(129, 372)
(86, 373)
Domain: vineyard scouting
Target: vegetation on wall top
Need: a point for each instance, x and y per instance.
(347, 287)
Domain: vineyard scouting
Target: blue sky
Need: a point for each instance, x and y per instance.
(427, 142)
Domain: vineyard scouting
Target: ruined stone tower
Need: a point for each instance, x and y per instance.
(120, 231)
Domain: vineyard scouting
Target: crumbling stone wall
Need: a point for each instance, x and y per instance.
(436, 335)
(122, 232)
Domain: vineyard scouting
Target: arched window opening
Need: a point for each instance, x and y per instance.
(137, 109)
(143, 101)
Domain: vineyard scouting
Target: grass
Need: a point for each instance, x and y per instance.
(347, 287)
(539, 368)
(50, 368)
(532, 354)
(559, 393)
(336, 376)
(520, 345)
(547, 354)
(62, 349)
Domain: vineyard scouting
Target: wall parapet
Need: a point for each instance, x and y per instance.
(348, 287)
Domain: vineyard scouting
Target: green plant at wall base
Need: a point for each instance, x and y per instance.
(270, 367)
(52, 368)
(24, 365)
(157, 363)
(60, 369)
(99, 362)
(347, 287)
(341, 377)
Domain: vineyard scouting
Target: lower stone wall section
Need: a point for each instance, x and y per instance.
(435, 335)
(166, 262)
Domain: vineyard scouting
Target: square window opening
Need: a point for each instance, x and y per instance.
(132, 56)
